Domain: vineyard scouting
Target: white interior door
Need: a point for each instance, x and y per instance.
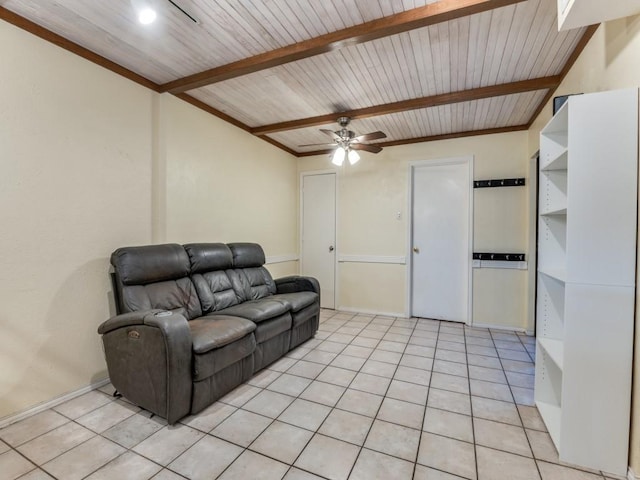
(318, 257)
(441, 240)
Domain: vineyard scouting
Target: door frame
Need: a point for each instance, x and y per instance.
(311, 173)
(534, 202)
(462, 160)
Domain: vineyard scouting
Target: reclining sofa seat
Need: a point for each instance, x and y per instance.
(181, 342)
(231, 281)
(162, 354)
(300, 295)
(283, 320)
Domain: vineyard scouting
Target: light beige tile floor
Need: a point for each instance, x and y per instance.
(367, 398)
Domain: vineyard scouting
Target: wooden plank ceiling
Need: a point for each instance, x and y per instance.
(415, 69)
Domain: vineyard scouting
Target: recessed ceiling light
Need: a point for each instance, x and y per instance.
(146, 16)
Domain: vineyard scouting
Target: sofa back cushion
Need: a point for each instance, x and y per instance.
(155, 276)
(249, 278)
(207, 257)
(246, 255)
(210, 263)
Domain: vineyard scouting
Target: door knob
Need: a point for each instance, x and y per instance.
(331, 248)
(416, 250)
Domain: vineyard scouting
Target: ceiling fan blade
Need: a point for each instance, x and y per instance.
(366, 148)
(367, 137)
(331, 133)
(319, 145)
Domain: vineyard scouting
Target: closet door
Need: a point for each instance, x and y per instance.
(318, 253)
(441, 239)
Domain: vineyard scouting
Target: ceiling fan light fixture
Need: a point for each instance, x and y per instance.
(147, 15)
(346, 142)
(354, 157)
(338, 156)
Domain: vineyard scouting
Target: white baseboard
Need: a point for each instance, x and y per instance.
(41, 407)
(631, 475)
(502, 327)
(372, 312)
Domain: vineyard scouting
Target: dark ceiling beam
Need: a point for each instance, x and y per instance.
(432, 138)
(431, 14)
(449, 136)
(582, 43)
(214, 111)
(93, 57)
(416, 103)
(49, 36)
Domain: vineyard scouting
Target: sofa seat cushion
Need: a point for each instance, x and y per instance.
(305, 314)
(270, 328)
(257, 310)
(208, 333)
(296, 301)
(216, 360)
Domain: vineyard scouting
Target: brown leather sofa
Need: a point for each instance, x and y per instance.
(195, 321)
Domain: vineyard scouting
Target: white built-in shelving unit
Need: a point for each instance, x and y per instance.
(586, 277)
(580, 13)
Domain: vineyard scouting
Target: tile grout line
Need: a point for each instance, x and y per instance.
(330, 411)
(364, 441)
(273, 420)
(464, 376)
(426, 402)
(96, 434)
(291, 466)
(281, 373)
(384, 397)
(473, 423)
(344, 323)
(362, 447)
(127, 449)
(166, 467)
(70, 420)
(444, 373)
(265, 388)
(533, 456)
(316, 431)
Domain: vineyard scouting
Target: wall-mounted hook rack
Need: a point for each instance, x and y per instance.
(505, 182)
(499, 260)
(501, 257)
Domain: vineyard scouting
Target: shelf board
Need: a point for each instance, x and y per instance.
(556, 273)
(554, 349)
(559, 162)
(558, 123)
(551, 415)
(556, 212)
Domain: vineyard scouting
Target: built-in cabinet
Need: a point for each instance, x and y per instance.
(586, 277)
(580, 13)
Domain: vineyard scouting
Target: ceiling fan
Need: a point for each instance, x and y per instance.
(347, 142)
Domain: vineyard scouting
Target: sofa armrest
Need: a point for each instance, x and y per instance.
(149, 358)
(297, 283)
(126, 320)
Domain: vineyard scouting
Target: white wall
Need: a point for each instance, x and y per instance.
(225, 185)
(371, 193)
(610, 61)
(90, 162)
(75, 157)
